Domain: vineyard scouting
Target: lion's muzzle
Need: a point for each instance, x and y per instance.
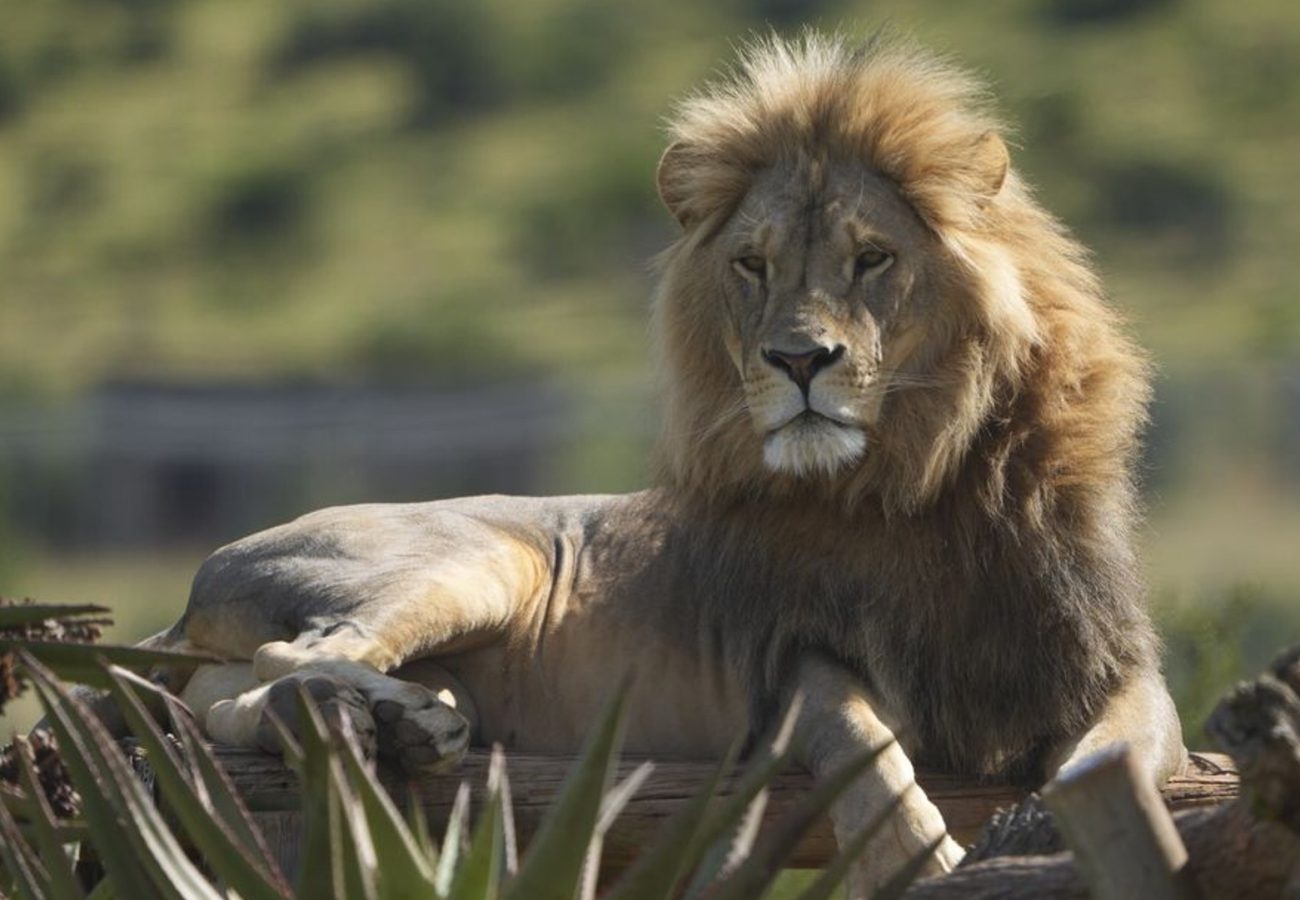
(802, 367)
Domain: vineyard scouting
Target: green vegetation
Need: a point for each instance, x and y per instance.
(1218, 641)
(228, 188)
(419, 189)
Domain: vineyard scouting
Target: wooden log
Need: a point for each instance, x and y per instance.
(1245, 850)
(1231, 856)
(271, 792)
(1123, 838)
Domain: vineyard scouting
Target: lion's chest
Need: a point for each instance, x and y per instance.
(990, 673)
(985, 675)
(987, 665)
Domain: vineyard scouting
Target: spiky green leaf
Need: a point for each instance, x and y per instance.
(134, 843)
(658, 870)
(82, 662)
(102, 891)
(16, 801)
(418, 824)
(834, 875)
(454, 840)
(324, 875)
(35, 613)
(359, 857)
(755, 874)
(903, 878)
(44, 829)
(611, 805)
(209, 776)
(729, 830)
(113, 841)
(191, 804)
(21, 863)
(404, 870)
(478, 877)
(553, 867)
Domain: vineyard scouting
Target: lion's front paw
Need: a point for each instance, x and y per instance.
(416, 728)
(948, 856)
(334, 698)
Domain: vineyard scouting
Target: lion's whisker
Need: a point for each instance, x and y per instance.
(892, 382)
(735, 410)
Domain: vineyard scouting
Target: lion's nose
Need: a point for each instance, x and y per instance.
(803, 367)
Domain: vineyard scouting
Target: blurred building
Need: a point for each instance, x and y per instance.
(136, 465)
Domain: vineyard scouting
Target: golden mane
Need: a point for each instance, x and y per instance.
(902, 112)
(1042, 397)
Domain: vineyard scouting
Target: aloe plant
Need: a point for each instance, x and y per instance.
(198, 840)
(63, 636)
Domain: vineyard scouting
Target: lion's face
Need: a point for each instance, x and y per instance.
(850, 296)
(824, 273)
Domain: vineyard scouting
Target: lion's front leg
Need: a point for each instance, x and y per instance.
(341, 601)
(837, 724)
(420, 716)
(1141, 714)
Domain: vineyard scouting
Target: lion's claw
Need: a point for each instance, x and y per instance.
(419, 730)
(403, 721)
(333, 697)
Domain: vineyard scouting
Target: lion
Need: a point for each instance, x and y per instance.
(895, 476)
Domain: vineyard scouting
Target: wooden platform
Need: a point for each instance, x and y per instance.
(271, 793)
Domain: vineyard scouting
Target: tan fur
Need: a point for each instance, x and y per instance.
(894, 475)
(1033, 322)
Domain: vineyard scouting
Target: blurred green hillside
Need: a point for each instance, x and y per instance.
(227, 188)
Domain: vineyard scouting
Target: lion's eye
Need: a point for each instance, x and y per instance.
(751, 265)
(869, 260)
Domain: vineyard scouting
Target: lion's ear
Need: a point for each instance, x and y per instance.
(671, 178)
(989, 164)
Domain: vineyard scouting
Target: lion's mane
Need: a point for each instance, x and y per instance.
(983, 544)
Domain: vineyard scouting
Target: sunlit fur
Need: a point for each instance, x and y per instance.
(1001, 492)
(1033, 347)
(964, 564)
(813, 447)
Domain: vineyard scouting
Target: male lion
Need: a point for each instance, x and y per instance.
(895, 474)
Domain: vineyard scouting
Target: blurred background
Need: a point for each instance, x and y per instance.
(258, 258)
